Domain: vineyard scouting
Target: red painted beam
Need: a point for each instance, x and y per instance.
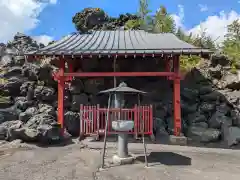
(118, 74)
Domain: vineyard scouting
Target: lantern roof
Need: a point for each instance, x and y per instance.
(123, 88)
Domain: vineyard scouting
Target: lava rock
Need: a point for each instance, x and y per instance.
(19, 60)
(46, 94)
(216, 72)
(219, 59)
(196, 117)
(76, 86)
(6, 61)
(49, 133)
(72, 123)
(230, 81)
(231, 135)
(235, 114)
(8, 114)
(46, 109)
(218, 119)
(201, 134)
(25, 86)
(7, 128)
(77, 100)
(12, 86)
(30, 112)
(22, 104)
(12, 71)
(31, 71)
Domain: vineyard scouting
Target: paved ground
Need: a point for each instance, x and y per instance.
(76, 161)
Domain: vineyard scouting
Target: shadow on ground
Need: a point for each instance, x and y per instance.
(61, 143)
(166, 158)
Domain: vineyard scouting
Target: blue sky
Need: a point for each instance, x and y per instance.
(53, 19)
(56, 20)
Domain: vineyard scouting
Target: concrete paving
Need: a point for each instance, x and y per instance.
(80, 161)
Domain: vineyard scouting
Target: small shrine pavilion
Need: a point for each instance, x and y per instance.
(114, 45)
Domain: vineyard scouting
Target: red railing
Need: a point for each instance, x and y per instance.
(93, 119)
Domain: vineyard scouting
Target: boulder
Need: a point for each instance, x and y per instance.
(218, 119)
(72, 123)
(160, 126)
(19, 60)
(31, 71)
(77, 100)
(45, 75)
(230, 81)
(12, 71)
(213, 96)
(231, 135)
(235, 114)
(8, 114)
(45, 94)
(30, 112)
(46, 109)
(22, 103)
(206, 107)
(12, 85)
(7, 128)
(49, 133)
(6, 61)
(188, 94)
(219, 59)
(25, 87)
(202, 134)
(205, 90)
(92, 86)
(216, 72)
(196, 117)
(40, 119)
(76, 86)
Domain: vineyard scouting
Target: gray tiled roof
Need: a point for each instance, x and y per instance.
(119, 42)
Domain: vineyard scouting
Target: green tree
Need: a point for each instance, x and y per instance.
(183, 36)
(143, 22)
(231, 45)
(163, 22)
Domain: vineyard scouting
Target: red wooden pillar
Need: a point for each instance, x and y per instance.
(61, 86)
(176, 97)
(167, 65)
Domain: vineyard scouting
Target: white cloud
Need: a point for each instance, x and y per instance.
(216, 26)
(53, 1)
(44, 39)
(20, 16)
(203, 7)
(179, 17)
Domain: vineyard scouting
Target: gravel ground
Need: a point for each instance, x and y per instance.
(81, 161)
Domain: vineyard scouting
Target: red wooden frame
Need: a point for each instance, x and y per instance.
(62, 76)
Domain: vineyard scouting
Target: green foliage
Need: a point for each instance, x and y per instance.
(189, 62)
(132, 24)
(202, 40)
(143, 13)
(163, 22)
(51, 42)
(231, 45)
(4, 99)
